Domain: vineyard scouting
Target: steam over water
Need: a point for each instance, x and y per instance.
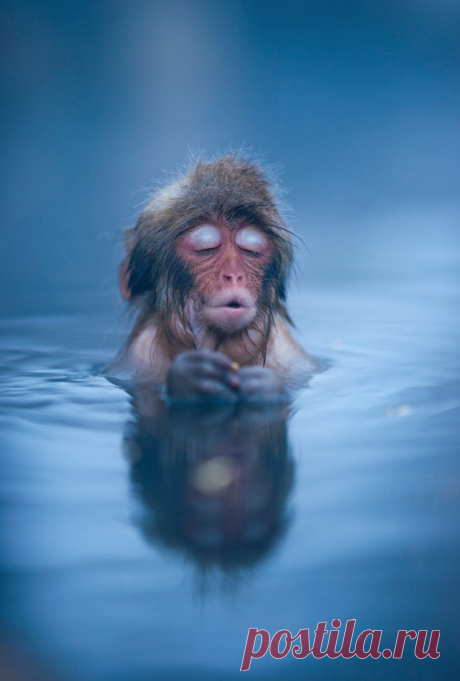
(140, 547)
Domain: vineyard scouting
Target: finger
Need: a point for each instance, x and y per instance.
(251, 385)
(207, 369)
(233, 380)
(208, 388)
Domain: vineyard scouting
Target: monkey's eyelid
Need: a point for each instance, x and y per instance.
(250, 237)
(204, 237)
(207, 251)
(253, 254)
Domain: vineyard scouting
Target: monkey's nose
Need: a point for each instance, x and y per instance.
(233, 278)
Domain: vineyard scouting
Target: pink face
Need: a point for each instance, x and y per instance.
(228, 266)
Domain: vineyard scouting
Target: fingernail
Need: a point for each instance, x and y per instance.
(233, 380)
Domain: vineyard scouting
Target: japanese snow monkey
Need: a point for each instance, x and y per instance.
(207, 265)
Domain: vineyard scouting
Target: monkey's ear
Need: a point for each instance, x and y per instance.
(124, 274)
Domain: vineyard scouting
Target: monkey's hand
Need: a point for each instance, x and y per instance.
(202, 375)
(261, 385)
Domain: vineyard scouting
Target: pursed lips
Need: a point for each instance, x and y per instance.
(233, 310)
(231, 300)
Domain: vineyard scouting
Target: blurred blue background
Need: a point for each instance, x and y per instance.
(358, 103)
(358, 100)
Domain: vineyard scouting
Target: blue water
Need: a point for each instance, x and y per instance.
(119, 563)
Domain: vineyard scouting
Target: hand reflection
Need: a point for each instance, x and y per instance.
(213, 480)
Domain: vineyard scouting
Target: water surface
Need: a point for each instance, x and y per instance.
(138, 544)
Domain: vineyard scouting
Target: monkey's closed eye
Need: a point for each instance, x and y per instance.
(252, 241)
(251, 254)
(207, 251)
(203, 239)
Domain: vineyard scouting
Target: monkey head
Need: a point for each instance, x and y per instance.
(210, 253)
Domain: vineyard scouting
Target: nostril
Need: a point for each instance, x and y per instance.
(237, 278)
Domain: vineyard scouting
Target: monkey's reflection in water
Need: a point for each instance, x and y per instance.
(213, 481)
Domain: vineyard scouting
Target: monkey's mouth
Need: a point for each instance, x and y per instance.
(232, 299)
(230, 315)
